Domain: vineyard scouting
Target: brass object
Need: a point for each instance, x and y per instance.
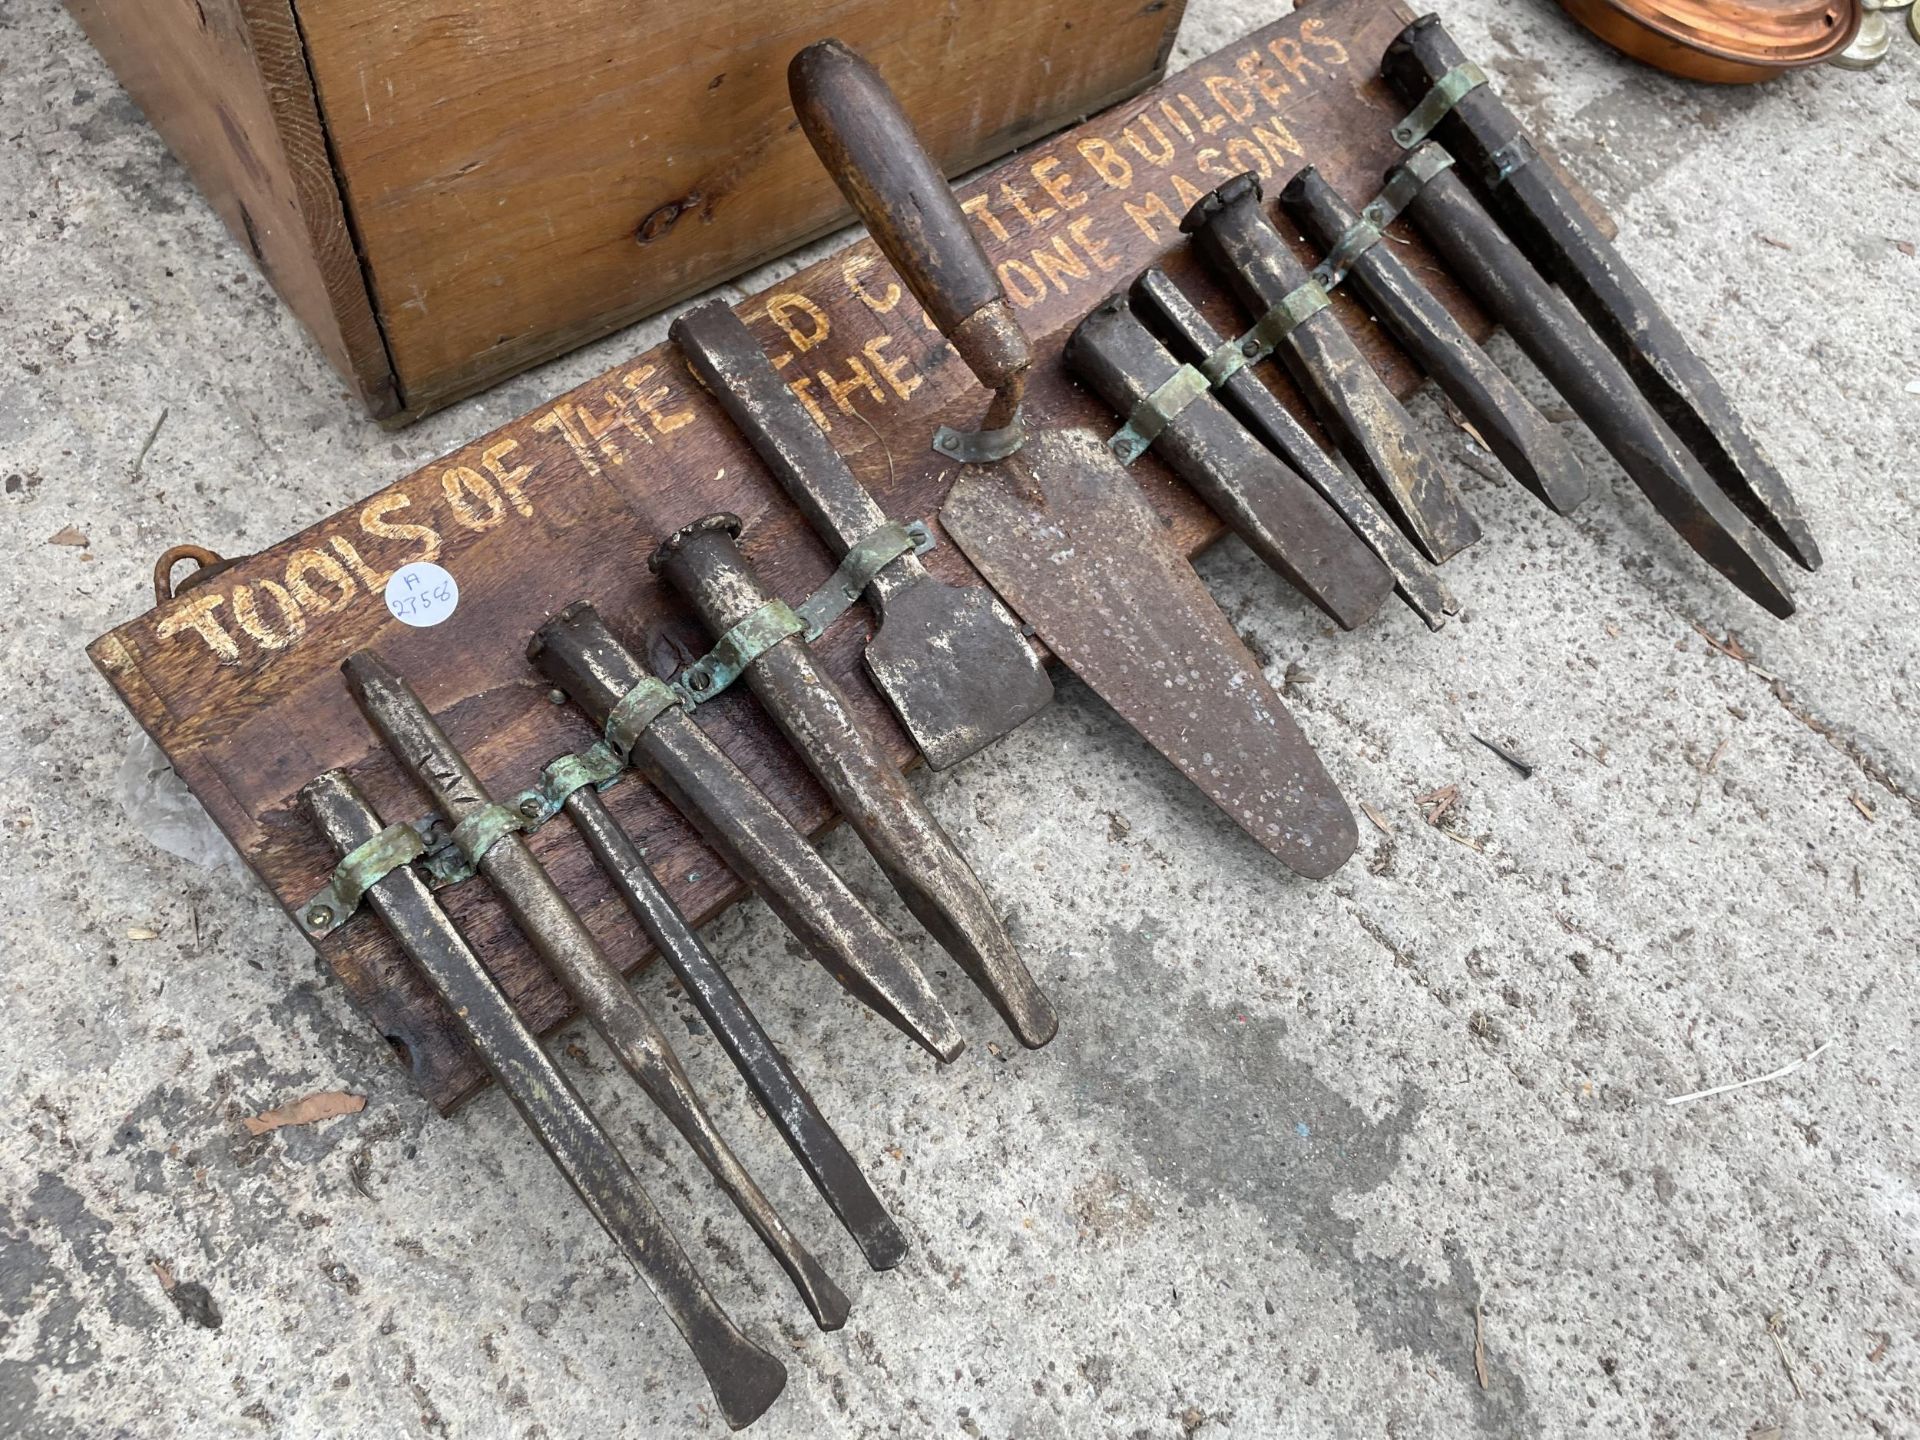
(1724, 42)
(1870, 46)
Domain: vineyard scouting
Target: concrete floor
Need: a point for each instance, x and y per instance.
(1296, 1146)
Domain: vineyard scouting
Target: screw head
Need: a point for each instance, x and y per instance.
(531, 808)
(319, 916)
(700, 681)
(556, 696)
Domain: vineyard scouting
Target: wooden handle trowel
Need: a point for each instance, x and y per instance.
(1053, 522)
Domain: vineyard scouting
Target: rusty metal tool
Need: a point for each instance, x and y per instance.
(949, 659)
(745, 1379)
(1171, 407)
(1533, 451)
(1239, 242)
(486, 836)
(1416, 581)
(1454, 103)
(702, 562)
(1588, 377)
(644, 722)
(1053, 521)
(834, 1172)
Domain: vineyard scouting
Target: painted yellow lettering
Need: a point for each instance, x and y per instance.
(858, 378)
(1314, 32)
(494, 457)
(196, 614)
(1033, 218)
(374, 580)
(560, 419)
(1095, 249)
(1295, 61)
(1060, 187)
(476, 504)
(1277, 140)
(783, 309)
(976, 206)
(1059, 264)
(335, 587)
(1209, 124)
(649, 402)
(1144, 213)
(1243, 155)
(897, 373)
(1108, 163)
(1231, 96)
(1263, 77)
(803, 388)
(853, 269)
(1189, 197)
(1162, 154)
(1020, 282)
(1174, 119)
(246, 609)
(600, 428)
(373, 520)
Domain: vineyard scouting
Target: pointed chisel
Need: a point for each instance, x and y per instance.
(1588, 378)
(578, 653)
(1533, 451)
(745, 1379)
(834, 1172)
(1280, 517)
(1550, 225)
(949, 659)
(485, 833)
(702, 562)
(1417, 582)
(1379, 439)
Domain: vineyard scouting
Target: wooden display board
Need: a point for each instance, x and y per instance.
(237, 679)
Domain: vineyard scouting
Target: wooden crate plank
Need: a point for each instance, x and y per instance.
(237, 680)
(526, 178)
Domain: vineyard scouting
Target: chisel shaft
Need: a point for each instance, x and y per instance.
(834, 1172)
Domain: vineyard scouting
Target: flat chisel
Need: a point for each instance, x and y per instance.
(486, 835)
(745, 1378)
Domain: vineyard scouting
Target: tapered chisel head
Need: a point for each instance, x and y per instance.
(578, 653)
(704, 564)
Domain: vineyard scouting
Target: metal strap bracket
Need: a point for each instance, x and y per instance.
(980, 447)
(599, 765)
(486, 827)
(1402, 187)
(359, 870)
(858, 569)
(1516, 154)
(1448, 91)
(1292, 311)
(745, 643)
(1155, 412)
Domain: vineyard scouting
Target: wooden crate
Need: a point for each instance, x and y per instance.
(447, 194)
(237, 679)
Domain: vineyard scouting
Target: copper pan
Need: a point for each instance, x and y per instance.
(1726, 42)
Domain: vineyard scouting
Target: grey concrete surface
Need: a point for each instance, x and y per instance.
(1296, 1147)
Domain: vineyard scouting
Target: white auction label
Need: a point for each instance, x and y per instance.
(422, 594)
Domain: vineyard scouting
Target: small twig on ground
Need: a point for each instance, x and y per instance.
(1439, 802)
(1861, 805)
(1777, 1328)
(1479, 1348)
(1780, 1074)
(1524, 768)
(152, 435)
(1379, 820)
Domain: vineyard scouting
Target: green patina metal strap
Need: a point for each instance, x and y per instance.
(1153, 414)
(1224, 363)
(359, 870)
(1403, 185)
(981, 447)
(636, 710)
(857, 570)
(1294, 310)
(1448, 91)
(598, 765)
(1516, 154)
(474, 836)
(745, 643)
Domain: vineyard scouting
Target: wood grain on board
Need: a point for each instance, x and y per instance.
(238, 679)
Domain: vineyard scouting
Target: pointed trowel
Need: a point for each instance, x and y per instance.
(1053, 522)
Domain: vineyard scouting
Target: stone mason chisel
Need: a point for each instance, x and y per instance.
(949, 659)
(578, 653)
(1240, 244)
(1414, 578)
(788, 1105)
(1282, 519)
(1594, 384)
(1455, 104)
(703, 564)
(485, 835)
(1053, 521)
(1531, 448)
(745, 1379)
